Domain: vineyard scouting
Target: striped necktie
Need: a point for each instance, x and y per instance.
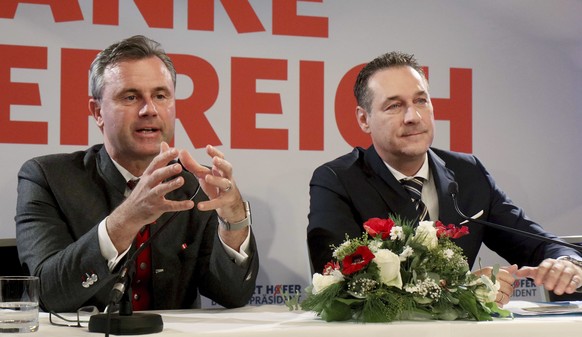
(414, 188)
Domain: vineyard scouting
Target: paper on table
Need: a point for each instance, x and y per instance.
(525, 308)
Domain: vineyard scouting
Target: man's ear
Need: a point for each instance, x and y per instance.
(95, 108)
(362, 117)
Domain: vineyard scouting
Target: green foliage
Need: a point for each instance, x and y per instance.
(436, 283)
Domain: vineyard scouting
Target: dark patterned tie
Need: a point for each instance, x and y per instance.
(414, 188)
(141, 283)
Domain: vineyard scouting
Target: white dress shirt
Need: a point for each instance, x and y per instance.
(429, 194)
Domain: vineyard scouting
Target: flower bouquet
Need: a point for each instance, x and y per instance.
(396, 271)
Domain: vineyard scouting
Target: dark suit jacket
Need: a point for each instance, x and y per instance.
(358, 186)
(61, 200)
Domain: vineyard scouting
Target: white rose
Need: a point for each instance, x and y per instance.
(321, 282)
(426, 234)
(389, 265)
(487, 290)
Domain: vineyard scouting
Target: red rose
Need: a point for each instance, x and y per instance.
(377, 226)
(329, 267)
(358, 260)
(450, 231)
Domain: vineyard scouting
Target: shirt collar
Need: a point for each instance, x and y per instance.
(423, 172)
(125, 173)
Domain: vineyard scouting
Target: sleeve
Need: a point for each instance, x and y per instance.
(513, 247)
(241, 256)
(108, 250)
(223, 280)
(331, 216)
(71, 269)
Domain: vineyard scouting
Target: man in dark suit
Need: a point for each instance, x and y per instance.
(394, 107)
(78, 220)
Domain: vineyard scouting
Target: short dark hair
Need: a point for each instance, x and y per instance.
(133, 48)
(388, 60)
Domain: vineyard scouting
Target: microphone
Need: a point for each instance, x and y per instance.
(120, 286)
(125, 322)
(454, 189)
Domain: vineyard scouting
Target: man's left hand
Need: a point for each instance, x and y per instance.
(559, 276)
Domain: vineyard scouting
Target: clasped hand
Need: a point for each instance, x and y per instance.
(559, 276)
(505, 279)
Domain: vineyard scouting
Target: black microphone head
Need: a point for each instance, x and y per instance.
(453, 188)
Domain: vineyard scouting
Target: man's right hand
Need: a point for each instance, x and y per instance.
(506, 279)
(147, 202)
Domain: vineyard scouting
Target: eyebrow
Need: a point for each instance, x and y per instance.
(136, 91)
(399, 97)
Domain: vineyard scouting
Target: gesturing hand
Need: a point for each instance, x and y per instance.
(147, 202)
(218, 183)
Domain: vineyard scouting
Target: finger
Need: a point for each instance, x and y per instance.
(214, 152)
(511, 269)
(178, 205)
(505, 276)
(161, 160)
(167, 185)
(567, 280)
(192, 165)
(502, 298)
(485, 271)
(574, 284)
(228, 187)
(558, 277)
(218, 202)
(544, 273)
(222, 166)
(221, 183)
(506, 287)
(164, 147)
(529, 272)
(161, 175)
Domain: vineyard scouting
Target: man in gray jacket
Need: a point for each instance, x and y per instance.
(78, 219)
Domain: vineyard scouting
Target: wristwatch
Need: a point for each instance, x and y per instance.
(238, 225)
(571, 259)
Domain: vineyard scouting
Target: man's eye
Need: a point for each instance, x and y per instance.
(393, 107)
(130, 98)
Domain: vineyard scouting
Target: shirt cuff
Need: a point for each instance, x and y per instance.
(108, 250)
(242, 255)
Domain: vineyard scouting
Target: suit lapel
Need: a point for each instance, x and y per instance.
(442, 178)
(115, 183)
(390, 190)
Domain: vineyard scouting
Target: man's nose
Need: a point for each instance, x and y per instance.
(412, 115)
(148, 108)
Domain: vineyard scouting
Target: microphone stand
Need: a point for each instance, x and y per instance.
(126, 322)
(453, 189)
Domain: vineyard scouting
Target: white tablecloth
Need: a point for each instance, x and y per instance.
(270, 320)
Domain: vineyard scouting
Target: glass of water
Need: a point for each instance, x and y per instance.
(19, 303)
